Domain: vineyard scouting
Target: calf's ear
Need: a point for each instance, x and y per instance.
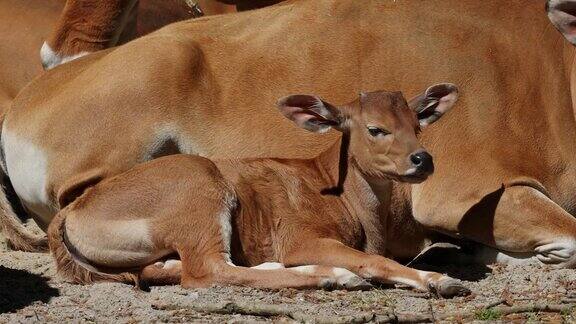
(434, 102)
(310, 112)
(562, 14)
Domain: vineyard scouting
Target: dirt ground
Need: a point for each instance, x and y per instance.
(30, 291)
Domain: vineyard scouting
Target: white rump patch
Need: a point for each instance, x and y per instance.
(27, 167)
(51, 59)
(115, 243)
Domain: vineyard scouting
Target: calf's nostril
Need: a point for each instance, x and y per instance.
(416, 159)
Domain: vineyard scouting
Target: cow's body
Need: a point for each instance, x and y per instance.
(28, 23)
(181, 90)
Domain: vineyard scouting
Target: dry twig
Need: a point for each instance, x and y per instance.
(266, 310)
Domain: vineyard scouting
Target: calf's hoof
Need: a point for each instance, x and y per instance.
(350, 281)
(357, 283)
(449, 287)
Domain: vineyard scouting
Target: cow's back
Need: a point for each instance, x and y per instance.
(514, 118)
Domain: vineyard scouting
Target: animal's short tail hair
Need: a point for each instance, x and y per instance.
(71, 266)
(18, 236)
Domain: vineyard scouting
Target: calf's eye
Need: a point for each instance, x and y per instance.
(375, 131)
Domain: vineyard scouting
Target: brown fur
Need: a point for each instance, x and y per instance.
(19, 63)
(212, 81)
(27, 23)
(207, 267)
(184, 204)
(87, 26)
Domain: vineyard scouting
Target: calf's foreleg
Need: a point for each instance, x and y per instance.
(330, 252)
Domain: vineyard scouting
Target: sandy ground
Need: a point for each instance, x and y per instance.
(30, 291)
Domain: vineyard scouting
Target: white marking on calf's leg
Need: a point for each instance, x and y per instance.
(225, 219)
(172, 264)
(340, 277)
(427, 279)
(325, 283)
(560, 253)
(408, 282)
(168, 264)
(269, 266)
(349, 280)
(307, 269)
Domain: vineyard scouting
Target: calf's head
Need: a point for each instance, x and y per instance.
(382, 127)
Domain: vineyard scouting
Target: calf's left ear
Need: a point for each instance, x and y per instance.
(434, 102)
(310, 112)
(562, 13)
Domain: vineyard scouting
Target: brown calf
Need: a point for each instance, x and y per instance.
(297, 212)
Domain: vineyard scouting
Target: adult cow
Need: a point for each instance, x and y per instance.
(87, 26)
(27, 23)
(505, 165)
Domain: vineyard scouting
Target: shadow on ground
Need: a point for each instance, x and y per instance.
(19, 289)
(452, 261)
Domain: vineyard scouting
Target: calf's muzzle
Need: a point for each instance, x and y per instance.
(422, 164)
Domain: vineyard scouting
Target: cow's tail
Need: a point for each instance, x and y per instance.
(17, 236)
(71, 265)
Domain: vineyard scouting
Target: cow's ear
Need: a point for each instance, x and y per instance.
(434, 102)
(562, 13)
(310, 112)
